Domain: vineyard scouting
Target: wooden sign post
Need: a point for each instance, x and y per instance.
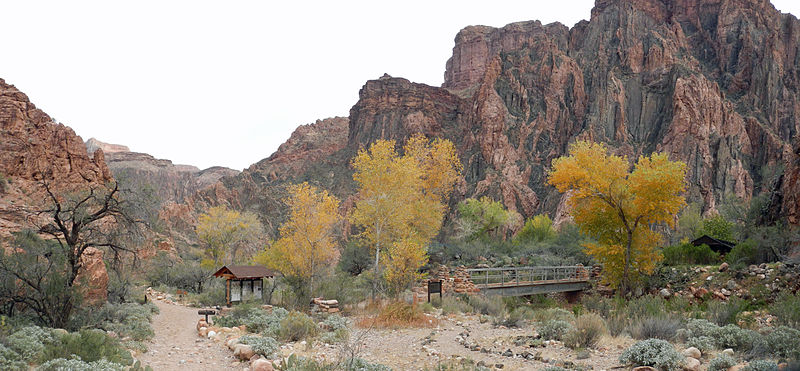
(434, 287)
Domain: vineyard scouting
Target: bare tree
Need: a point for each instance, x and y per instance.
(42, 274)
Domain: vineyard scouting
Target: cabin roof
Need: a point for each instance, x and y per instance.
(720, 246)
(244, 271)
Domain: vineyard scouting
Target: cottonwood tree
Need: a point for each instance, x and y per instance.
(481, 219)
(43, 274)
(306, 248)
(618, 207)
(400, 202)
(225, 232)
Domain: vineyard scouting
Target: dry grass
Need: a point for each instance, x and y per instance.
(398, 315)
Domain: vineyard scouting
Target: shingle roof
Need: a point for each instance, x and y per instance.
(245, 271)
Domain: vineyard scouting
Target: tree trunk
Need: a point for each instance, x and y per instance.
(626, 269)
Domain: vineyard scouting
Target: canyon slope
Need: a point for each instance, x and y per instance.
(714, 83)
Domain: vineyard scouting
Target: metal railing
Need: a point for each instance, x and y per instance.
(519, 276)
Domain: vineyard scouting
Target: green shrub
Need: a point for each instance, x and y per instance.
(553, 329)
(454, 305)
(265, 346)
(29, 342)
(61, 364)
(335, 322)
(125, 319)
(724, 313)
(785, 309)
(598, 304)
(336, 336)
(297, 326)
(732, 336)
(656, 353)
(704, 343)
(89, 345)
(617, 323)
(553, 314)
(785, 342)
(491, 305)
(518, 317)
(722, 363)
(687, 253)
(743, 253)
(256, 320)
(699, 327)
(359, 364)
(761, 365)
(10, 360)
(663, 328)
(586, 332)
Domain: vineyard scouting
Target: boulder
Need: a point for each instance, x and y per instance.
(691, 364)
(261, 365)
(723, 267)
(692, 352)
(243, 352)
(699, 293)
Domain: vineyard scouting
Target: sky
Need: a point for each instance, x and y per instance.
(226, 82)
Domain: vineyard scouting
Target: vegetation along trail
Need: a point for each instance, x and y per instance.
(176, 345)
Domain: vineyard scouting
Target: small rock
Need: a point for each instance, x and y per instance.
(665, 293)
(738, 367)
(211, 334)
(728, 352)
(644, 368)
(243, 352)
(709, 278)
(582, 355)
(692, 352)
(691, 364)
(730, 285)
(762, 277)
(723, 267)
(499, 365)
(725, 292)
(508, 353)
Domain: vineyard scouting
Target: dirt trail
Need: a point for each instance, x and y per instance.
(176, 345)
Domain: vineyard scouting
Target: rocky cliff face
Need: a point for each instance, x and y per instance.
(33, 149)
(715, 83)
(171, 183)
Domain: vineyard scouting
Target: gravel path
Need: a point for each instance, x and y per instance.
(176, 345)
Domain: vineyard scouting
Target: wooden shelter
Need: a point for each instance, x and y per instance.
(721, 246)
(243, 282)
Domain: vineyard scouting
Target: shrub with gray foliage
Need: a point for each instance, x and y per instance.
(721, 363)
(761, 365)
(656, 353)
(553, 330)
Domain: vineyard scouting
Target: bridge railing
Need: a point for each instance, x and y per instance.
(517, 276)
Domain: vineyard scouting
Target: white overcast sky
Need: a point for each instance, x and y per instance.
(226, 82)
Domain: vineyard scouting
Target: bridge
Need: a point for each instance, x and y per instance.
(523, 281)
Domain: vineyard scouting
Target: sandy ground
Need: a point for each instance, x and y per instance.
(176, 345)
(465, 338)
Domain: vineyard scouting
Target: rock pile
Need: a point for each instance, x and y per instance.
(325, 306)
(459, 282)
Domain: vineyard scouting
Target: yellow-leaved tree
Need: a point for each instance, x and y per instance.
(306, 249)
(226, 232)
(619, 207)
(400, 203)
